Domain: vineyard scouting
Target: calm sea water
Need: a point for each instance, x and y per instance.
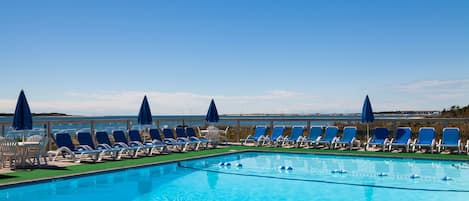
(175, 120)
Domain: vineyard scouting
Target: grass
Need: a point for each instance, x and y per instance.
(38, 174)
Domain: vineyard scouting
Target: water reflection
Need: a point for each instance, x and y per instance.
(212, 179)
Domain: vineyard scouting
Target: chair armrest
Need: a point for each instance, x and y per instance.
(300, 139)
(318, 138)
(85, 147)
(136, 143)
(182, 139)
(121, 144)
(104, 146)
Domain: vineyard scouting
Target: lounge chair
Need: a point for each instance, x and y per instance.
(86, 140)
(402, 138)
(193, 137)
(134, 137)
(181, 136)
(296, 137)
(156, 138)
(102, 137)
(348, 137)
(121, 140)
(313, 137)
(258, 136)
(67, 148)
(380, 137)
(276, 138)
(450, 139)
(169, 139)
(330, 136)
(426, 138)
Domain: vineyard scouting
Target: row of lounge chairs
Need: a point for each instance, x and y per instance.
(128, 143)
(329, 137)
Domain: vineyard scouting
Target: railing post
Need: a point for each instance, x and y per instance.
(128, 124)
(49, 135)
(308, 125)
(272, 124)
(158, 124)
(3, 130)
(92, 126)
(92, 131)
(238, 126)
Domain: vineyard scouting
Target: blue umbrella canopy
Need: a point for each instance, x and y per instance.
(367, 112)
(212, 113)
(367, 115)
(144, 115)
(22, 120)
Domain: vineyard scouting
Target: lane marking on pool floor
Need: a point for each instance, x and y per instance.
(323, 181)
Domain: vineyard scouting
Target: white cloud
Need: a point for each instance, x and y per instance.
(446, 87)
(128, 103)
(427, 95)
(418, 95)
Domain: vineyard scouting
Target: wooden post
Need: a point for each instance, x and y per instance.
(49, 135)
(92, 131)
(128, 124)
(92, 125)
(308, 126)
(238, 126)
(158, 124)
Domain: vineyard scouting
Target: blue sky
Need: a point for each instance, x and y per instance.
(101, 57)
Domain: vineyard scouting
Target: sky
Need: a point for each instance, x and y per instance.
(252, 56)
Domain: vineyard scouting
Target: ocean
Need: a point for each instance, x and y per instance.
(109, 123)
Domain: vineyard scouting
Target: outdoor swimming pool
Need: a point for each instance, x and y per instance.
(313, 177)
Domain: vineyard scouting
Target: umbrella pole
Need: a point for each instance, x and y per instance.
(367, 132)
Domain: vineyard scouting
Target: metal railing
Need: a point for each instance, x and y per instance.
(240, 127)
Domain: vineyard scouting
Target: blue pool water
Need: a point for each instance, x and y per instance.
(260, 178)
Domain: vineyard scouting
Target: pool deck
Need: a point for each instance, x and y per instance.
(59, 170)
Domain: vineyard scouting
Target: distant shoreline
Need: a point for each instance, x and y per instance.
(51, 114)
(387, 113)
(391, 113)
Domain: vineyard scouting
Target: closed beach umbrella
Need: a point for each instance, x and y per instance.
(22, 119)
(144, 115)
(212, 113)
(367, 115)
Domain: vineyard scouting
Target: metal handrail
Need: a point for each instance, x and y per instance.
(48, 124)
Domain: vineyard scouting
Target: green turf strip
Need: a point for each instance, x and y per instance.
(26, 175)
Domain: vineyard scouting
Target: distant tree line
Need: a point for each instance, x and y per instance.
(455, 111)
